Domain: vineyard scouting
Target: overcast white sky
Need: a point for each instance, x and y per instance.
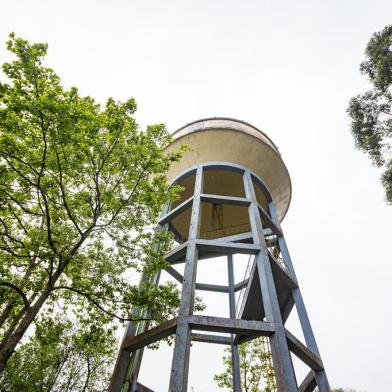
(289, 68)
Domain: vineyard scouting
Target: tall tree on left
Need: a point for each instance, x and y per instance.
(80, 186)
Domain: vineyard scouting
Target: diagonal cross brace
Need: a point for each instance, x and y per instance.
(303, 353)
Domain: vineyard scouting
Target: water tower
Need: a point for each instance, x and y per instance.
(237, 191)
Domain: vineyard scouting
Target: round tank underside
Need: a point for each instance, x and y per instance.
(233, 141)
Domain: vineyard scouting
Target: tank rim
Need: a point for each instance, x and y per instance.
(251, 126)
(227, 119)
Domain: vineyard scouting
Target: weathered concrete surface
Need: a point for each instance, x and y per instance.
(230, 140)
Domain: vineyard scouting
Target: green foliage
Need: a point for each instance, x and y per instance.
(371, 112)
(257, 373)
(61, 357)
(81, 188)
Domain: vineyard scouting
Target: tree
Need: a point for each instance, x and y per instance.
(257, 373)
(256, 368)
(61, 356)
(81, 188)
(371, 112)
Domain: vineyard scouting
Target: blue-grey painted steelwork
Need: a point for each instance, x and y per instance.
(234, 347)
(180, 364)
(284, 372)
(127, 365)
(268, 320)
(310, 340)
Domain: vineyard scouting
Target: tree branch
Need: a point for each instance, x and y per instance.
(19, 160)
(19, 291)
(141, 174)
(60, 182)
(22, 207)
(89, 296)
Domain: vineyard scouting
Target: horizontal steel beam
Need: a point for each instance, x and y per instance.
(241, 285)
(243, 237)
(216, 339)
(303, 353)
(199, 286)
(227, 247)
(231, 200)
(201, 323)
(177, 255)
(176, 211)
(220, 324)
(211, 248)
(239, 339)
(212, 287)
(151, 336)
(309, 383)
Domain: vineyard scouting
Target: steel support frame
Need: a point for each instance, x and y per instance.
(126, 369)
(235, 358)
(284, 371)
(280, 339)
(127, 366)
(180, 363)
(320, 374)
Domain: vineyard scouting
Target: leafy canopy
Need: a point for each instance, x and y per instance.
(81, 188)
(371, 112)
(61, 356)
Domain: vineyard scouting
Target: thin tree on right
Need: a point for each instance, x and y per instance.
(371, 112)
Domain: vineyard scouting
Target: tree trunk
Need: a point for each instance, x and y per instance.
(13, 324)
(9, 307)
(8, 346)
